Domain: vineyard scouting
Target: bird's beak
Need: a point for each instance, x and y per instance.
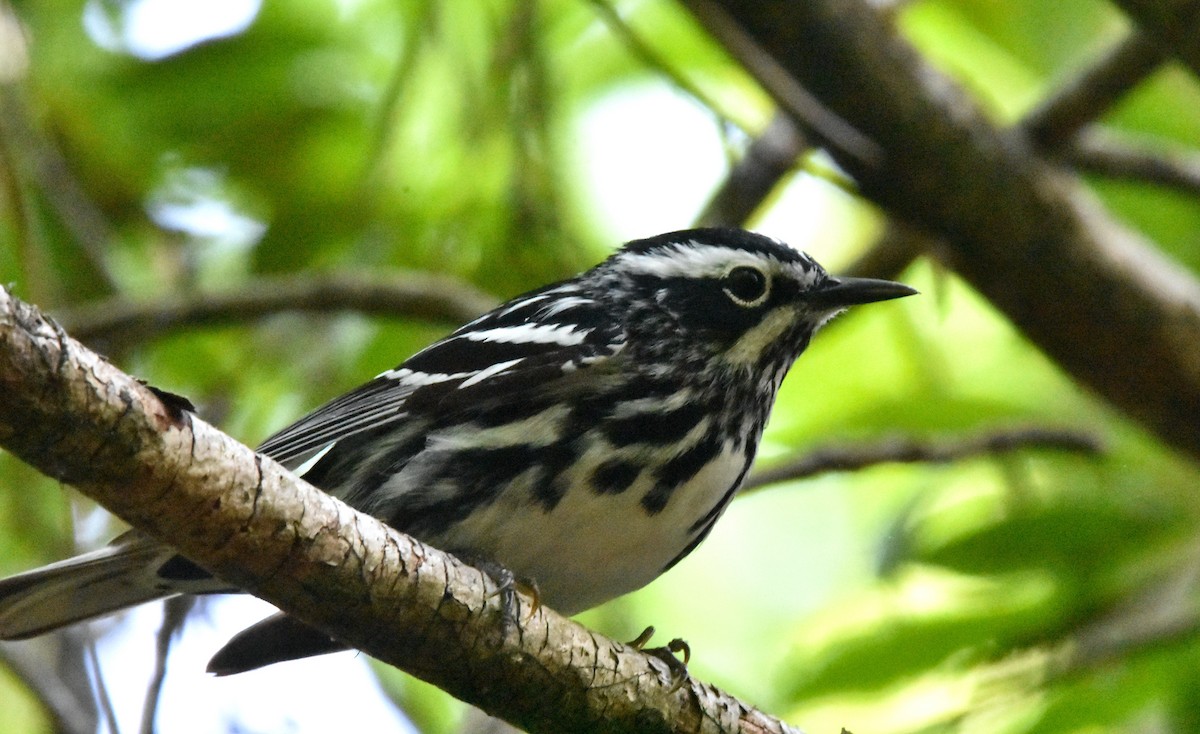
(842, 292)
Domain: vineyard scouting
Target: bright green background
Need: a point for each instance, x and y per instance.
(373, 134)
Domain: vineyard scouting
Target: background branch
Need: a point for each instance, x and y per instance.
(1088, 95)
(1106, 155)
(66, 693)
(768, 160)
(908, 450)
(1173, 23)
(115, 322)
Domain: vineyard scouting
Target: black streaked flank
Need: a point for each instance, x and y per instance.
(655, 427)
(614, 476)
(678, 470)
(506, 413)
(554, 459)
(718, 507)
(475, 474)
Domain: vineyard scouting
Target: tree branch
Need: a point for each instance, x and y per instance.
(74, 416)
(1087, 96)
(1096, 297)
(906, 450)
(769, 157)
(1107, 155)
(115, 322)
(1173, 23)
(65, 694)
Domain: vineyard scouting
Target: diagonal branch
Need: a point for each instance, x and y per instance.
(1087, 96)
(1173, 23)
(74, 416)
(1095, 296)
(770, 157)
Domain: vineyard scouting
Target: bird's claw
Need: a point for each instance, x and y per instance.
(668, 654)
(507, 588)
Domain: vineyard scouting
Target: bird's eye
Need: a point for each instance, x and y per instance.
(747, 286)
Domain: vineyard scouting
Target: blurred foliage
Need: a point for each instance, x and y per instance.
(1034, 591)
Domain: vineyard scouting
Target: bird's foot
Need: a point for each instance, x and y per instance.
(508, 588)
(667, 654)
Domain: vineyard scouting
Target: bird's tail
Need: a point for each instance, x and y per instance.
(276, 639)
(131, 571)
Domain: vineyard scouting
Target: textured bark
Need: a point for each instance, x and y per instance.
(74, 416)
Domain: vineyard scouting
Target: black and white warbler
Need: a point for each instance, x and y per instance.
(586, 435)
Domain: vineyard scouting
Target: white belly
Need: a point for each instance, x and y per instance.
(593, 547)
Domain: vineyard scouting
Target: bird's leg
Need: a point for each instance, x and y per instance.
(508, 585)
(667, 654)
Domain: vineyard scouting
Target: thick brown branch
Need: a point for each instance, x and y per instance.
(1096, 297)
(74, 416)
(119, 321)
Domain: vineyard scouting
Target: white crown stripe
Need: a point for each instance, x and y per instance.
(691, 260)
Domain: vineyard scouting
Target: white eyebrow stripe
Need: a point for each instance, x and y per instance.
(692, 259)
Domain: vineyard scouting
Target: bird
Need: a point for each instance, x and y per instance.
(584, 437)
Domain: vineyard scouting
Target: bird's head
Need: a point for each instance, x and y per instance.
(747, 299)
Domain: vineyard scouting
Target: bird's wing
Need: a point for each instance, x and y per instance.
(527, 343)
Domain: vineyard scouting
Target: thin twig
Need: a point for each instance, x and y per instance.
(175, 612)
(385, 125)
(902, 449)
(646, 54)
(891, 254)
(104, 700)
(1173, 23)
(44, 165)
(68, 702)
(118, 321)
(1107, 155)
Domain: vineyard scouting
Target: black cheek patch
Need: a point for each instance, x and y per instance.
(702, 305)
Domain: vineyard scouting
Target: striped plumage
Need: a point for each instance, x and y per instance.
(585, 436)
